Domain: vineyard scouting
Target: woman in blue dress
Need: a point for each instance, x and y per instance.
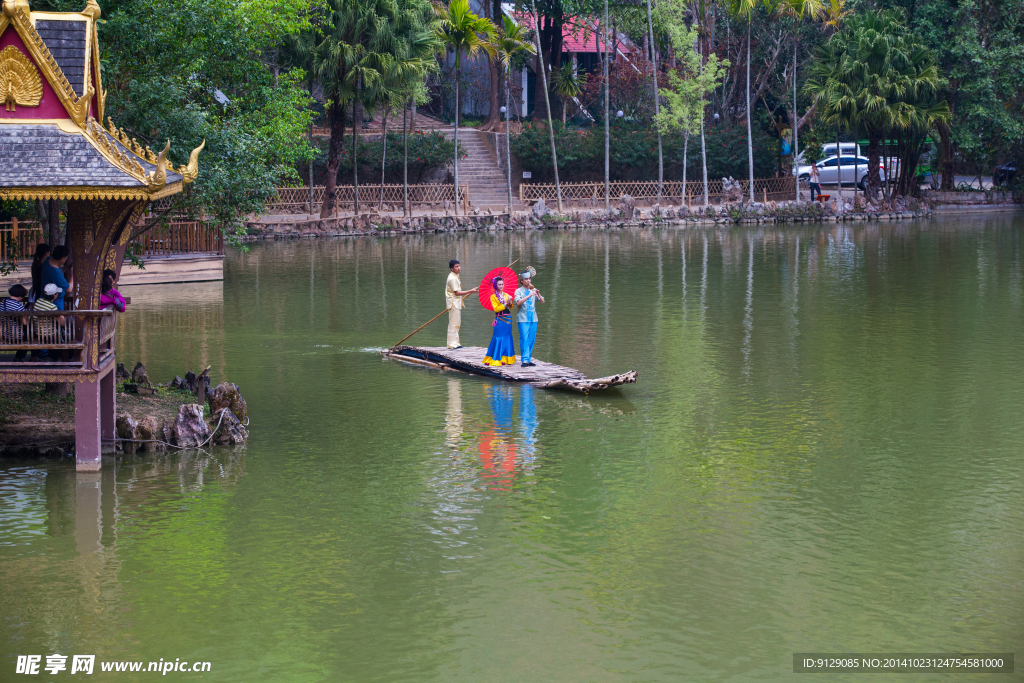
(502, 350)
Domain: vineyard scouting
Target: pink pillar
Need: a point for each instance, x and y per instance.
(108, 407)
(94, 415)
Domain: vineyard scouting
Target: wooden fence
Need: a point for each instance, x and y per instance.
(186, 237)
(765, 189)
(297, 199)
(18, 239)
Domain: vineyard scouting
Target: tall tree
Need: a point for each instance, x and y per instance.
(797, 9)
(463, 31)
(689, 84)
(547, 102)
(510, 41)
(654, 70)
(877, 76)
(745, 10)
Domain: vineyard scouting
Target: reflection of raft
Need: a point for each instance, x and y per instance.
(470, 359)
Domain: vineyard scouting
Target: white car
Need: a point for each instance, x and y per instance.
(830, 169)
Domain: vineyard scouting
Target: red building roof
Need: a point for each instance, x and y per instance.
(578, 34)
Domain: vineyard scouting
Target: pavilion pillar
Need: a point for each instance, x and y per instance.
(88, 425)
(108, 408)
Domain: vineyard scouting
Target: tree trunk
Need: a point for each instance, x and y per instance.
(873, 180)
(383, 156)
(703, 146)
(607, 110)
(493, 120)
(551, 125)
(508, 144)
(657, 110)
(53, 221)
(750, 137)
(796, 123)
(458, 113)
(686, 144)
(405, 162)
(334, 153)
(946, 160)
(357, 125)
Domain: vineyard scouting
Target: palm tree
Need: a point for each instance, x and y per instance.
(510, 41)
(878, 76)
(607, 111)
(798, 9)
(745, 10)
(355, 55)
(654, 70)
(547, 101)
(463, 31)
(565, 84)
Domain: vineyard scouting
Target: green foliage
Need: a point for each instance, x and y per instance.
(428, 151)
(16, 208)
(634, 153)
(164, 61)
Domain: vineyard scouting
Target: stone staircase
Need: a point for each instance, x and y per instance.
(488, 183)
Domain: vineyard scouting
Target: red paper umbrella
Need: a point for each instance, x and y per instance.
(486, 290)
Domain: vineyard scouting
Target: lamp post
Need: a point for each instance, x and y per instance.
(618, 114)
(508, 160)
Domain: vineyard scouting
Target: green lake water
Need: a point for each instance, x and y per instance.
(824, 453)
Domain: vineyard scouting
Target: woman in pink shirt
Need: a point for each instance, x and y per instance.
(110, 297)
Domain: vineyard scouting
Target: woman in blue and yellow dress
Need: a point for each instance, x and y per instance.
(502, 350)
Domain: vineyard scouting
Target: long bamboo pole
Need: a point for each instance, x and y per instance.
(439, 314)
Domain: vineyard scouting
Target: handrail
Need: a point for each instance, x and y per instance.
(56, 330)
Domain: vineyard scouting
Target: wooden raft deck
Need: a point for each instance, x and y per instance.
(470, 359)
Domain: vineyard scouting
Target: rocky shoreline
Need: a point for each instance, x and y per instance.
(626, 213)
(182, 414)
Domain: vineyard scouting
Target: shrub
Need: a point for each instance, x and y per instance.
(428, 151)
(634, 153)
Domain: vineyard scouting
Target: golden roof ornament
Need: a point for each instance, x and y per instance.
(92, 9)
(20, 83)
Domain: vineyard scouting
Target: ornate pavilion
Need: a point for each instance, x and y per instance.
(54, 146)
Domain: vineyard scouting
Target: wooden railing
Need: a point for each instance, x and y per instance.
(291, 198)
(190, 237)
(57, 331)
(765, 189)
(18, 239)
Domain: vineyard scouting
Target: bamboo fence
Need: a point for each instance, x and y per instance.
(765, 189)
(292, 198)
(18, 239)
(184, 237)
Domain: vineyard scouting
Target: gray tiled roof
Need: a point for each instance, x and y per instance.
(66, 42)
(42, 155)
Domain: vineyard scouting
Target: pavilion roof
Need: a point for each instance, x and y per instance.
(52, 144)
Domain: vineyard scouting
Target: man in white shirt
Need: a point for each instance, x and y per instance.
(453, 296)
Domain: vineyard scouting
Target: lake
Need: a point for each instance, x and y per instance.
(824, 453)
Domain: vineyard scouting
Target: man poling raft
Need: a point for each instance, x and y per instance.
(498, 361)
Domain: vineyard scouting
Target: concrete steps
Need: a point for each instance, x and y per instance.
(488, 182)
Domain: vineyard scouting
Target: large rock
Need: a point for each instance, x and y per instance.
(152, 434)
(732, 191)
(140, 377)
(189, 429)
(127, 431)
(121, 374)
(231, 431)
(627, 204)
(540, 209)
(226, 395)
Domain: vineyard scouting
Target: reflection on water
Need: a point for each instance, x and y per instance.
(824, 438)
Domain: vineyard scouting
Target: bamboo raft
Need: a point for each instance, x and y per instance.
(470, 359)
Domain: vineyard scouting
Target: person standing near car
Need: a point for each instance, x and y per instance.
(815, 182)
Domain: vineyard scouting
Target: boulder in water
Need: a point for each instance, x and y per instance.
(151, 432)
(127, 431)
(190, 429)
(226, 395)
(231, 431)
